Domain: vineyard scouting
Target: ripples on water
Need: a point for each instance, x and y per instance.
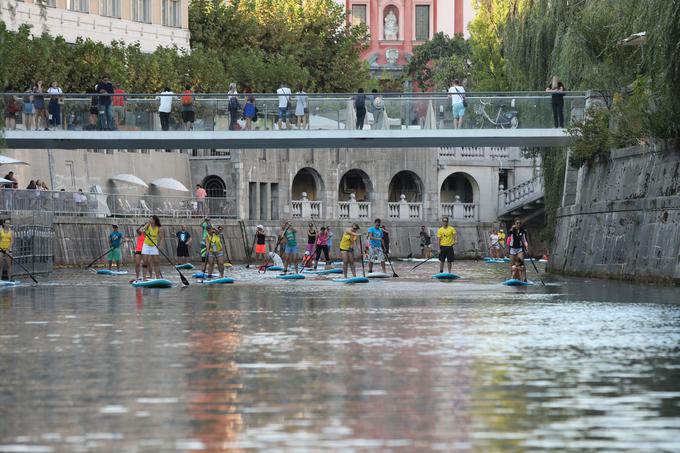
(90, 364)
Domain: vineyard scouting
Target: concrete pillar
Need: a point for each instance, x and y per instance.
(353, 207)
(306, 209)
(570, 183)
(403, 208)
(458, 212)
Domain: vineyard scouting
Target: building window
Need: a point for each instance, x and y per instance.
(82, 6)
(171, 13)
(358, 14)
(141, 11)
(110, 8)
(422, 22)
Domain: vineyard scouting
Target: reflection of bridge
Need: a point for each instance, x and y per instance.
(393, 138)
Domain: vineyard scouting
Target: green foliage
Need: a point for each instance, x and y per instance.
(591, 137)
(265, 42)
(436, 63)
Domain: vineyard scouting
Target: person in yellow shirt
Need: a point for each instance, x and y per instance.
(152, 238)
(447, 237)
(215, 250)
(347, 249)
(501, 242)
(6, 242)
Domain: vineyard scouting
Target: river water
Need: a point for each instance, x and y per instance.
(88, 363)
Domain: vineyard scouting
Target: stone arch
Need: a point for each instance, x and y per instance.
(214, 186)
(461, 184)
(307, 180)
(406, 183)
(357, 182)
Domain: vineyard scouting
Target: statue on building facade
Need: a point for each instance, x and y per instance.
(391, 26)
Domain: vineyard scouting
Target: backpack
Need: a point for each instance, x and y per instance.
(187, 98)
(233, 103)
(378, 103)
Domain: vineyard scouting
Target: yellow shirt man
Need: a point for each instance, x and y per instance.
(447, 236)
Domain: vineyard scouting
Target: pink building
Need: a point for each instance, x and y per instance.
(397, 26)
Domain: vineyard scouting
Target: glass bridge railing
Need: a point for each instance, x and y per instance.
(217, 112)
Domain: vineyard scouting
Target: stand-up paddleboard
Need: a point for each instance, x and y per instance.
(351, 280)
(155, 283)
(275, 268)
(8, 283)
(110, 272)
(515, 282)
(447, 276)
(377, 275)
(291, 276)
(206, 275)
(415, 260)
(218, 281)
(187, 266)
(337, 270)
(496, 261)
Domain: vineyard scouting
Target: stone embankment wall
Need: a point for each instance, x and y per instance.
(79, 240)
(625, 220)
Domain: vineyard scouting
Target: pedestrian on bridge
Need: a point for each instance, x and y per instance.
(557, 89)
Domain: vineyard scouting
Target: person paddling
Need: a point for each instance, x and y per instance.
(375, 246)
(139, 245)
(215, 251)
(310, 250)
(447, 236)
(6, 243)
(150, 252)
(115, 241)
(347, 249)
(260, 243)
(518, 244)
(322, 247)
(288, 233)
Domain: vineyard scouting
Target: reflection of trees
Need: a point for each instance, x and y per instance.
(212, 382)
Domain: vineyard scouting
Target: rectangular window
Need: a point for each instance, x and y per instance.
(82, 6)
(358, 14)
(109, 8)
(141, 11)
(171, 13)
(422, 22)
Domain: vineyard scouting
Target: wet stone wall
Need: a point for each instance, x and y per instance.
(625, 220)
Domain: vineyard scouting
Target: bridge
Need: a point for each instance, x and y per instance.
(400, 138)
(403, 120)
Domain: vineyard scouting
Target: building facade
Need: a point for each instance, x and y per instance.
(151, 23)
(398, 26)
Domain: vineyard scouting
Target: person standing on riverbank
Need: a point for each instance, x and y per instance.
(115, 240)
(6, 243)
(425, 242)
(260, 243)
(447, 236)
(517, 240)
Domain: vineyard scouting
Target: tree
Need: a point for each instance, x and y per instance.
(436, 63)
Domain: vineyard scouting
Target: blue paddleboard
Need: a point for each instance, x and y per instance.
(325, 272)
(186, 266)
(218, 281)
(108, 272)
(515, 282)
(202, 275)
(446, 276)
(156, 283)
(8, 283)
(275, 268)
(351, 280)
(291, 277)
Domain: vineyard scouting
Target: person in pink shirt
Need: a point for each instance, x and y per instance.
(322, 246)
(200, 198)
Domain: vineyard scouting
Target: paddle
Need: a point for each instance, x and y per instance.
(207, 257)
(420, 264)
(394, 274)
(361, 257)
(250, 251)
(276, 247)
(244, 237)
(535, 268)
(185, 282)
(20, 265)
(224, 246)
(98, 258)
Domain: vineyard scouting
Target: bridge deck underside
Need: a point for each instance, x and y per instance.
(285, 139)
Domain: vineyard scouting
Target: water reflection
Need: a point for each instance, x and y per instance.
(406, 364)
